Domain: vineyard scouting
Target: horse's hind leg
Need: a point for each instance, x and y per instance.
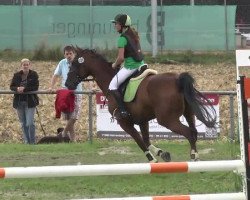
(190, 117)
(153, 149)
(129, 128)
(188, 133)
(177, 127)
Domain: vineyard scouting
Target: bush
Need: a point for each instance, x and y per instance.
(45, 53)
(42, 52)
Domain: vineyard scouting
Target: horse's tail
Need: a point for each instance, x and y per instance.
(196, 100)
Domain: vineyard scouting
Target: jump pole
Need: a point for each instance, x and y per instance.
(121, 169)
(221, 196)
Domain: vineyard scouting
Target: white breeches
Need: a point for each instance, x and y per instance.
(120, 77)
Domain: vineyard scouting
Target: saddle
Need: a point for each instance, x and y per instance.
(129, 87)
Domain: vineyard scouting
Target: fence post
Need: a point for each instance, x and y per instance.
(90, 132)
(232, 131)
(244, 133)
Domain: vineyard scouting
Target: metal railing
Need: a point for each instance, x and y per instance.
(242, 28)
(90, 94)
(90, 101)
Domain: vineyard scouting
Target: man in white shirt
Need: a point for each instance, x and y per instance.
(61, 71)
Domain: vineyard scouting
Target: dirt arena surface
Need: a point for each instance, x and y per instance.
(219, 77)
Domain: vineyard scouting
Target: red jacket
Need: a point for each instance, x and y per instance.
(65, 101)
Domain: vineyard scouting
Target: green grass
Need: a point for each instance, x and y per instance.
(107, 152)
(44, 53)
(190, 57)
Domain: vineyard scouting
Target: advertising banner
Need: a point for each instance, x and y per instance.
(107, 127)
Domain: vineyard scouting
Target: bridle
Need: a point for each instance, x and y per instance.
(81, 60)
(81, 79)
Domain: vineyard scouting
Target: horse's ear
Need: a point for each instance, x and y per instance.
(74, 48)
(77, 50)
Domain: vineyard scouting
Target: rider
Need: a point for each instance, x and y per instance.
(129, 52)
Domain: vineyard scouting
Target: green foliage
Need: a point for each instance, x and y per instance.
(55, 53)
(182, 57)
(12, 55)
(45, 53)
(42, 52)
(190, 57)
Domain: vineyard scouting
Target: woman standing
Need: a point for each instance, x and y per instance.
(129, 52)
(26, 80)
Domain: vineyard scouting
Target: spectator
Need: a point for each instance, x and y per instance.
(61, 71)
(26, 80)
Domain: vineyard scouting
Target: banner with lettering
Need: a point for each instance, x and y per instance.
(109, 128)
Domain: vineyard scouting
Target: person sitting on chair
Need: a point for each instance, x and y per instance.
(129, 52)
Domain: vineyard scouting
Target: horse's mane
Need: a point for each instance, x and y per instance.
(94, 53)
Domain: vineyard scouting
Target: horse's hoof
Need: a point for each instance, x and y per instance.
(194, 156)
(154, 161)
(195, 160)
(159, 152)
(166, 156)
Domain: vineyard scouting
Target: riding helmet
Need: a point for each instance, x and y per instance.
(122, 19)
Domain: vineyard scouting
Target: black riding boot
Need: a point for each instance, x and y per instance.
(120, 103)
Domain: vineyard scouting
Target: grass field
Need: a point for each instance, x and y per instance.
(105, 152)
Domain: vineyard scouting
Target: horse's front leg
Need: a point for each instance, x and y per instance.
(129, 128)
(144, 127)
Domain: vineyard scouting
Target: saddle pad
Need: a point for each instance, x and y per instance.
(134, 84)
(131, 90)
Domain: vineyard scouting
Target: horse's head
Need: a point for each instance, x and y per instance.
(79, 69)
(88, 62)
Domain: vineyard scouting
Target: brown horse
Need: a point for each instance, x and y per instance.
(165, 97)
